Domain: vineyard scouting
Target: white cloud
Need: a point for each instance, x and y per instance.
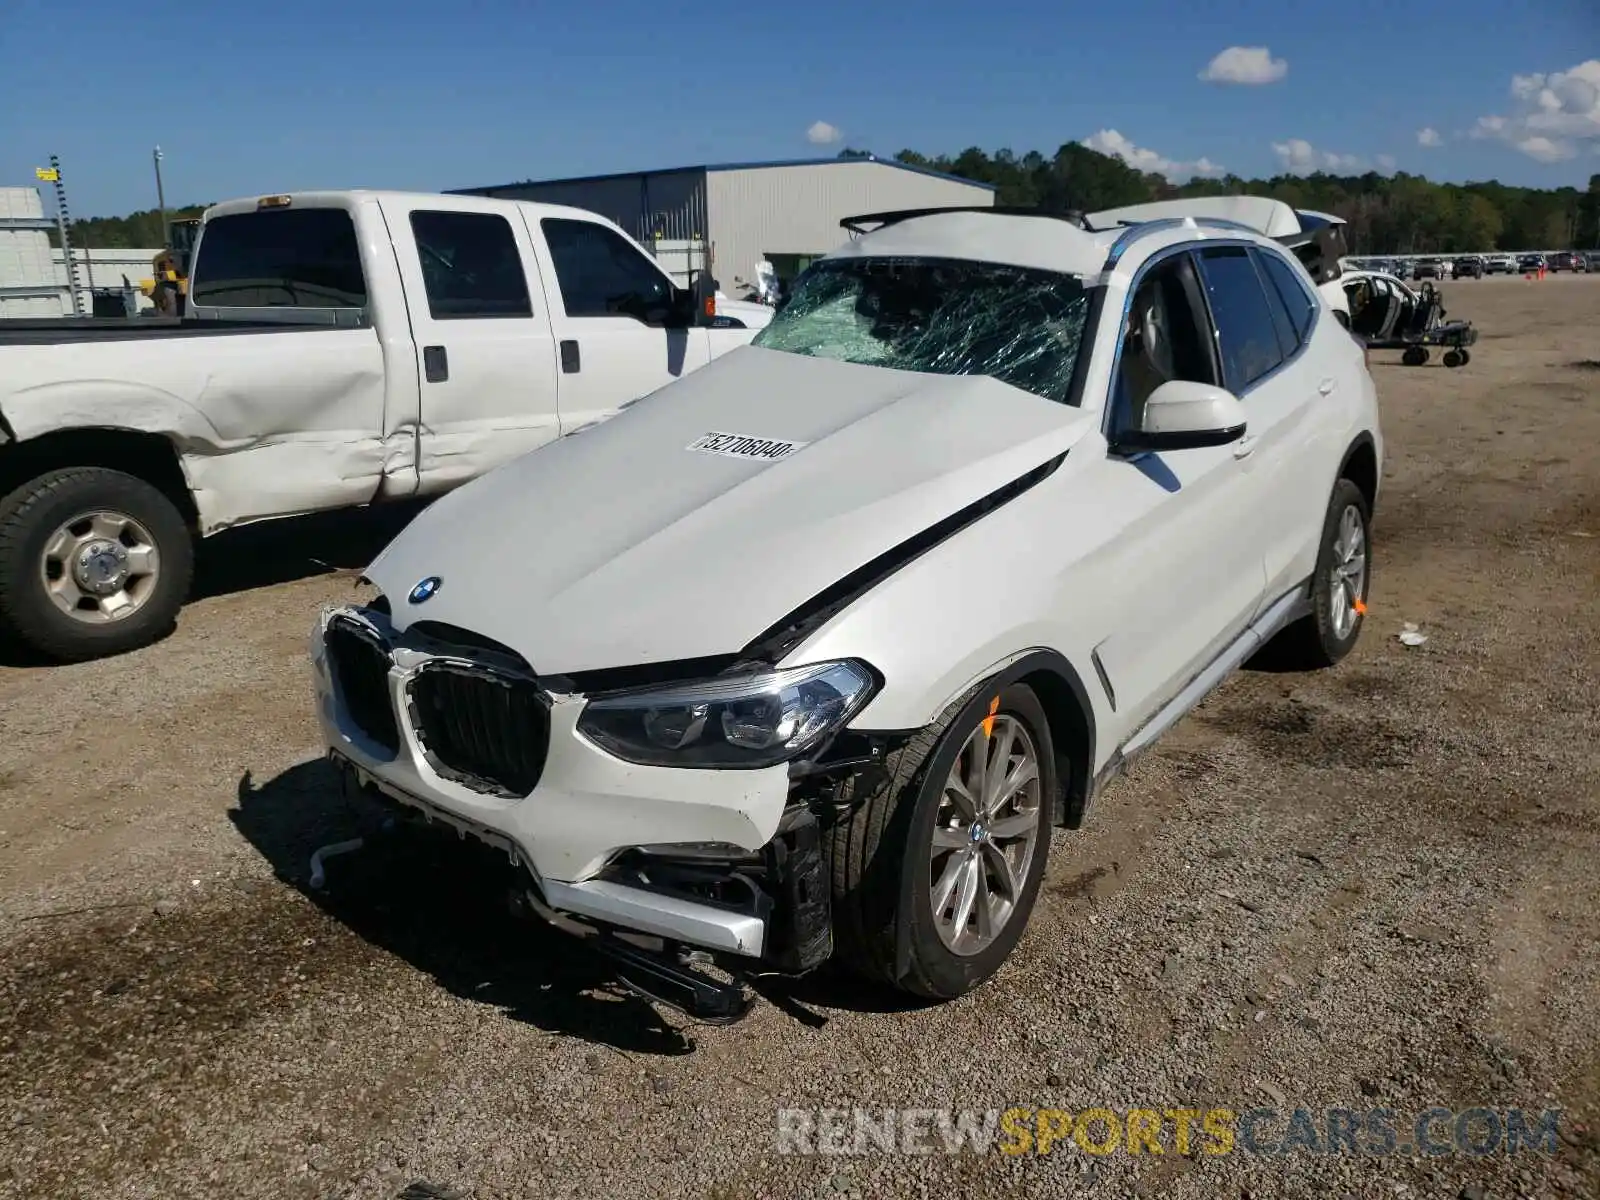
(1555, 115)
(1141, 158)
(1300, 157)
(1245, 65)
(1386, 162)
(1542, 149)
(1429, 136)
(823, 134)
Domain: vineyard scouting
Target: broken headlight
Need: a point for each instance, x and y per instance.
(749, 721)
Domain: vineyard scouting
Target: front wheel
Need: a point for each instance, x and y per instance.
(92, 562)
(947, 854)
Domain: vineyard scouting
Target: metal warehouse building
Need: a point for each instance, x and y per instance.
(737, 214)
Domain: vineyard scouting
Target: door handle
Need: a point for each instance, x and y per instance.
(571, 363)
(1327, 385)
(1245, 447)
(435, 364)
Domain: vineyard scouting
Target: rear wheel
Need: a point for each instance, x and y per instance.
(949, 851)
(1415, 356)
(92, 562)
(1338, 587)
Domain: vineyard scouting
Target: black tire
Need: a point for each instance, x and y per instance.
(1466, 357)
(31, 514)
(881, 852)
(1313, 642)
(1452, 358)
(1415, 356)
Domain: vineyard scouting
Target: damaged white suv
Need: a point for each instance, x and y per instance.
(803, 655)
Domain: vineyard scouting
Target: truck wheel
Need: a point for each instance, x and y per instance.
(1338, 588)
(947, 849)
(92, 562)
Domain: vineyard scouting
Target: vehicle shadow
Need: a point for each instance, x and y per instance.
(441, 904)
(282, 551)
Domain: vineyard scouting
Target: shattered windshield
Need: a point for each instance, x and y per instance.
(942, 316)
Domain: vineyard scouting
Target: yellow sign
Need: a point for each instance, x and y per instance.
(47, 174)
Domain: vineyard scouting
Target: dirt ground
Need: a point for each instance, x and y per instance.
(1374, 887)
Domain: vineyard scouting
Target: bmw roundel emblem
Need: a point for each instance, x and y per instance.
(426, 590)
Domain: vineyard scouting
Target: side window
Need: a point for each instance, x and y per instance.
(1288, 338)
(1166, 338)
(1297, 302)
(470, 265)
(1246, 336)
(601, 273)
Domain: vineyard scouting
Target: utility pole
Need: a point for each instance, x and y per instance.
(161, 199)
(64, 225)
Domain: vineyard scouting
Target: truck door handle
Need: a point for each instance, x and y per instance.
(1327, 385)
(570, 362)
(1245, 447)
(435, 364)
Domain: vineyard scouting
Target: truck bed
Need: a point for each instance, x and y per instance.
(47, 331)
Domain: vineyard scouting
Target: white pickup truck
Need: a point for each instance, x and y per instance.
(342, 348)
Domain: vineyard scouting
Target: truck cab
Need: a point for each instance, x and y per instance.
(340, 348)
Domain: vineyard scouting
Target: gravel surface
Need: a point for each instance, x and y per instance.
(1369, 887)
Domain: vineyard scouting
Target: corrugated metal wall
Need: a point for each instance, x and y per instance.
(27, 275)
(666, 206)
(758, 212)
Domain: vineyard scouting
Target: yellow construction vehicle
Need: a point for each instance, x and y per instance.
(168, 288)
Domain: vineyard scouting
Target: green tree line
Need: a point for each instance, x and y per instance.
(1388, 214)
(140, 230)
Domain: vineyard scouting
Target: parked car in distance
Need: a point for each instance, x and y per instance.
(1469, 266)
(1532, 262)
(1428, 268)
(344, 348)
(1566, 260)
(832, 633)
(1500, 264)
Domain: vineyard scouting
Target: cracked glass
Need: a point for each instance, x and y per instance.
(1019, 325)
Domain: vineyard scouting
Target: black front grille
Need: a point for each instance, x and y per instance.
(481, 728)
(361, 670)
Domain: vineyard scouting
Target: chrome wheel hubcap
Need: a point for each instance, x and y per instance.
(100, 567)
(1348, 578)
(984, 834)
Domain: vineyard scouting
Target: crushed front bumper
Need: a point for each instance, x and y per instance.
(715, 860)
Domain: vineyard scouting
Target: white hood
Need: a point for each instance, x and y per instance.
(623, 545)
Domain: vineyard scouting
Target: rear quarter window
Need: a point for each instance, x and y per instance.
(280, 258)
(1246, 333)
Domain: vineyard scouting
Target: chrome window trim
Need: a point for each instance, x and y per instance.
(1193, 247)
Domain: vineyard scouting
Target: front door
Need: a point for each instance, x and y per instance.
(486, 356)
(608, 308)
(1182, 573)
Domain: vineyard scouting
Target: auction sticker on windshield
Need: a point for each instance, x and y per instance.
(739, 445)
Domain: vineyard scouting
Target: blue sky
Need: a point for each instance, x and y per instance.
(273, 95)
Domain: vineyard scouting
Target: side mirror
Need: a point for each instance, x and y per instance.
(1181, 415)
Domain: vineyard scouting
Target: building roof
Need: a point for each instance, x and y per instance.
(736, 166)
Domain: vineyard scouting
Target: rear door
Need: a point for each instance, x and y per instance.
(609, 301)
(1263, 341)
(485, 349)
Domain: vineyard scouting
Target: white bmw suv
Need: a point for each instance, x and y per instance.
(803, 656)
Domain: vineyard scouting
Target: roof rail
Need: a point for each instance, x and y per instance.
(883, 220)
